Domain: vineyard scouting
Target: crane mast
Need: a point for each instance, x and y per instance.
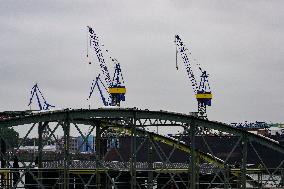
(115, 87)
(202, 91)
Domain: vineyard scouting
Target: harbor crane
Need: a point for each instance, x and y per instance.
(202, 91)
(41, 102)
(42, 105)
(112, 91)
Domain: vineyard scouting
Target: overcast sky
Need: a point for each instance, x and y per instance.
(239, 43)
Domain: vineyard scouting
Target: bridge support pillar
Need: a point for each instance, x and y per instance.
(244, 162)
(98, 155)
(66, 129)
(40, 145)
(133, 154)
(281, 184)
(226, 177)
(3, 160)
(192, 132)
(150, 181)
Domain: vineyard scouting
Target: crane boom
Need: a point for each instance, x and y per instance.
(94, 40)
(182, 49)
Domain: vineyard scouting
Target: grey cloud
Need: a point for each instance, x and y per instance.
(240, 43)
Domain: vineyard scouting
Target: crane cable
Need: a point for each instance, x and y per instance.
(176, 57)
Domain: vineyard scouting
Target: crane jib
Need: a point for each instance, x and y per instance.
(189, 71)
(98, 51)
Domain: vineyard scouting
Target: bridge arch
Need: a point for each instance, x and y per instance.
(127, 118)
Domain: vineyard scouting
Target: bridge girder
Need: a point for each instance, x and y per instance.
(134, 116)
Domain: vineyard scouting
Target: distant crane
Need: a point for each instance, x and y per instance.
(202, 91)
(250, 125)
(41, 102)
(42, 105)
(115, 87)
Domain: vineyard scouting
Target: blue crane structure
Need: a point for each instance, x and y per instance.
(202, 91)
(251, 125)
(42, 105)
(41, 102)
(114, 87)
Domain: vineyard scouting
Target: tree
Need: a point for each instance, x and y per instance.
(10, 136)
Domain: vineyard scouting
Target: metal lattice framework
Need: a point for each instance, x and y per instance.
(145, 159)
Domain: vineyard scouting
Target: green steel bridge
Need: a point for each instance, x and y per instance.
(202, 167)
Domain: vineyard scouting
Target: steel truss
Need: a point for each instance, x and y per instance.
(151, 160)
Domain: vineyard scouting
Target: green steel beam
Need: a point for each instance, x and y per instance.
(58, 115)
